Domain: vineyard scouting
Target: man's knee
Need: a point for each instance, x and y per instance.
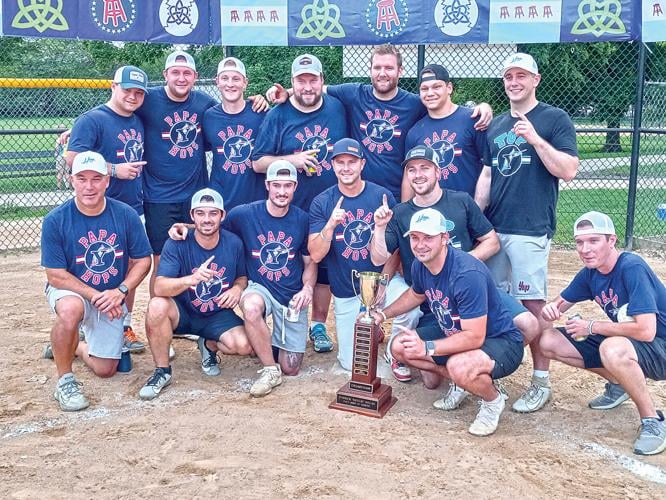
(253, 308)
(528, 325)
(464, 367)
(615, 351)
(550, 341)
(158, 309)
(290, 362)
(105, 368)
(397, 349)
(235, 341)
(69, 311)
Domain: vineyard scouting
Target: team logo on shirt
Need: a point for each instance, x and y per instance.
(236, 149)
(132, 145)
(439, 305)
(510, 157)
(445, 146)
(609, 303)
(355, 232)
(99, 257)
(207, 291)
(317, 139)
(183, 132)
(379, 130)
(274, 255)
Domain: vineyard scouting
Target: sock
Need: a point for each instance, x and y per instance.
(541, 373)
(165, 369)
(315, 323)
(65, 378)
(127, 320)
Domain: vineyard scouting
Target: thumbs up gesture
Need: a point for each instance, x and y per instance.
(383, 214)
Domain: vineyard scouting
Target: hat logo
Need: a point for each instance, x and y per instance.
(305, 61)
(135, 75)
(422, 218)
(87, 159)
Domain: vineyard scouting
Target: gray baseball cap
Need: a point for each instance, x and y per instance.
(201, 199)
(306, 64)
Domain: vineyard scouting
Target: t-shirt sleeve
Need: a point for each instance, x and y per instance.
(390, 198)
(418, 282)
(345, 92)
(268, 138)
(478, 224)
(392, 236)
(84, 135)
(139, 246)
(303, 221)
(564, 134)
(579, 288)
(318, 214)
(471, 295)
(487, 153)
(481, 145)
(230, 222)
(53, 252)
(170, 262)
(642, 294)
(240, 258)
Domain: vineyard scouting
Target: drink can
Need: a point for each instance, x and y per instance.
(578, 338)
(292, 313)
(125, 363)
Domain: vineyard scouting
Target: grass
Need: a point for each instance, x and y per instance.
(28, 184)
(10, 212)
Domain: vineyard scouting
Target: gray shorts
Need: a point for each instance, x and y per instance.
(287, 336)
(521, 266)
(103, 335)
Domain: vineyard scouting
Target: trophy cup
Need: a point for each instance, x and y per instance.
(364, 393)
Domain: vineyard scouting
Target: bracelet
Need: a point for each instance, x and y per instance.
(589, 327)
(113, 170)
(321, 235)
(380, 311)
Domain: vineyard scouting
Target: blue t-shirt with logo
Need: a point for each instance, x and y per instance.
(118, 139)
(231, 138)
(351, 239)
(274, 247)
(523, 193)
(460, 147)
(176, 166)
(381, 127)
(183, 257)
(286, 131)
(464, 289)
(95, 249)
(630, 282)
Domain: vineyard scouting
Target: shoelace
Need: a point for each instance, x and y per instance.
(650, 426)
(486, 413)
(70, 388)
(130, 335)
(154, 379)
(453, 388)
(319, 335)
(532, 392)
(211, 360)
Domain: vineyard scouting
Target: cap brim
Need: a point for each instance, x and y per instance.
(405, 162)
(127, 86)
(306, 72)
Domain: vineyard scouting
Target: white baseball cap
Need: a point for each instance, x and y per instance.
(89, 160)
(428, 221)
(207, 198)
(275, 171)
(231, 64)
(520, 60)
(180, 58)
(594, 223)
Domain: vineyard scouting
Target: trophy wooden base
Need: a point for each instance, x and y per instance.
(371, 400)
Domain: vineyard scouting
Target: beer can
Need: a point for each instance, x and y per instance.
(292, 313)
(578, 338)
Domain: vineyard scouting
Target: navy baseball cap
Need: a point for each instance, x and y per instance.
(347, 146)
(422, 152)
(131, 77)
(434, 72)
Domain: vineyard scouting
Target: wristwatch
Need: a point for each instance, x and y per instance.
(123, 289)
(430, 348)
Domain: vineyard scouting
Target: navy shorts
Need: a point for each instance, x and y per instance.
(159, 219)
(505, 352)
(210, 327)
(322, 274)
(651, 355)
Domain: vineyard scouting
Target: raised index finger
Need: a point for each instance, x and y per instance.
(339, 204)
(385, 202)
(206, 262)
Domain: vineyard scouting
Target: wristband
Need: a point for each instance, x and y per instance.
(321, 235)
(113, 170)
(589, 327)
(380, 311)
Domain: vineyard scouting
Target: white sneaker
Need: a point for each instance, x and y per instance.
(157, 381)
(271, 376)
(536, 396)
(488, 417)
(68, 394)
(452, 399)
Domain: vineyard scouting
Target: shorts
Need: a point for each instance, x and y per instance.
(159, 219)
(505, 352)
(514, 306)
(651, 355)
(346, 311)
(322, 274)
(287, 335)
(521, 266)
(104, 336)
(210, 327)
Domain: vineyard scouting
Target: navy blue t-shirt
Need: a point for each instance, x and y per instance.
(286, 131)
(231, 138)
(349, 248)
(523, 193)
(459, 145)
(381, 127)
(176, 166)
(118, 139)
(630, 282)
(274, 247)
(183, 257)
(95, 249)
(466, 223)
(464, 289)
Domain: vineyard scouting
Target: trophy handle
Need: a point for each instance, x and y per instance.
(355, 274)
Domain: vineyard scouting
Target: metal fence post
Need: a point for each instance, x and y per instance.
(420, 61)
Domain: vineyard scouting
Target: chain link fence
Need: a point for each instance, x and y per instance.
(599, 85)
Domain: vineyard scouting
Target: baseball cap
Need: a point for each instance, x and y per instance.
(428, 221)
(438, 71)
(274, 171)
(180, 58)
(520, 60)
(306, 63)
(422, 152)
(199, 201)
(131, 77)
(347, 146)
(231, 64)
(600, 224)
(89, 160)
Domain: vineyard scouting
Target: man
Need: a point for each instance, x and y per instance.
(302, 131)
(631, 344)
(449, 130)
(341, 225)
(230, 129)
(472, 340)
(198, 284)
(95, 251)
(531, 147)
(114, 131)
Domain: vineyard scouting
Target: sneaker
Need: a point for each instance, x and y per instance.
(536, 396)
(209, 363)
(157, 381)
(271, 376)
(452, 399)
(400, 371)
(132, 342)
(47, 353)
(187, 336)
(68, 394)
(321, 341)
(172, 352)
(488, 417)
(652, 436)
(614, 395)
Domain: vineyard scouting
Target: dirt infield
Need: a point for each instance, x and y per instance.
(206, 437)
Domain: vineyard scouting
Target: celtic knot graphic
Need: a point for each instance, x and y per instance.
(179, 14)
(597, 17)
(457, 12)
(320, 20)
(41, 15)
